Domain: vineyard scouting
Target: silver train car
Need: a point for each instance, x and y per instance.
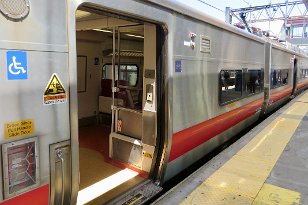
(105, 101)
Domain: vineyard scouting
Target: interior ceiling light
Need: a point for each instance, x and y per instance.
(82, 14)
(131, 35)
(102, 30)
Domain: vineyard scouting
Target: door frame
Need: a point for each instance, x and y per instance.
(163, 102)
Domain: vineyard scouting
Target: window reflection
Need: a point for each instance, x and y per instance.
(230, 85)
(253, 81)
(279, 77)
(304, 74)
(236, 84)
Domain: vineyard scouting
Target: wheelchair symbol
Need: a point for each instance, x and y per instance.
(16, 65)
(17, 68)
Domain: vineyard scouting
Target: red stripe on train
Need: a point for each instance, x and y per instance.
(302, 85)
(37, 196)
(281, 94)
(188, 139)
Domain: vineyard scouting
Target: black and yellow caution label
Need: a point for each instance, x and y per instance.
(147, 155)
(54, 92)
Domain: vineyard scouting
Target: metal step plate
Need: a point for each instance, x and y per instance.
(139, 195)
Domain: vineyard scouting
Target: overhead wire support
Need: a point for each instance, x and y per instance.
(270, 12)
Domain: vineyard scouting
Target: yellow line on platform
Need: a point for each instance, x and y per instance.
(240, 179)
(273, 195)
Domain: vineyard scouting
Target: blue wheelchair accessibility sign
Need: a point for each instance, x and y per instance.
(17, 65)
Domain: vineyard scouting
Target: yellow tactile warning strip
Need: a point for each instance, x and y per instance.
(272, 195)
(240, 179)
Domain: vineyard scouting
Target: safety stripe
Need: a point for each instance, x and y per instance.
(37, 196)
(192, 137)
(241, 178)
(202, 132)
(302, 85)
(280, 95)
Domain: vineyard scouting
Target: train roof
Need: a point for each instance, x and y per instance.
(179, 7)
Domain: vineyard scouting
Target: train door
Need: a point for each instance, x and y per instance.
(295, 78)
(117, 104)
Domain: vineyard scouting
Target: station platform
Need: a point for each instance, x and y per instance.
(269, 165)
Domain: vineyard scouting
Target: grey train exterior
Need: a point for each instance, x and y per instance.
(190, 113)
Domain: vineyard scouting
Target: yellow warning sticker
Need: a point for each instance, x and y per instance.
(54, 92)
(18, 128)
(147, 155)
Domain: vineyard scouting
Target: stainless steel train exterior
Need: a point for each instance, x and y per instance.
(189, 105)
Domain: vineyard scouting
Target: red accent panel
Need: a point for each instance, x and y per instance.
(37, 196)
(196, 135)
(281, 94)
(302, 84)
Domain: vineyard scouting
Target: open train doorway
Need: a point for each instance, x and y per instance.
(117, 103)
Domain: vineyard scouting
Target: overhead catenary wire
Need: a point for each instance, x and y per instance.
(211, 5)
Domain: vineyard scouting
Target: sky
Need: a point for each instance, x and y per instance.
(274, 26)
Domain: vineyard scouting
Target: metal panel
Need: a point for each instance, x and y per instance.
(60, 173)
(197, 153)
(131, 123)
(267, 75)
(20, 166)
(33, 29)
(127, 152)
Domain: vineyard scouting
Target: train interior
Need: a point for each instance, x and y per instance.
(114, 155)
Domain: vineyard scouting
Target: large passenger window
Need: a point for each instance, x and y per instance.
(230, 85)
(253, 81)
(279, 77)
(304, 74)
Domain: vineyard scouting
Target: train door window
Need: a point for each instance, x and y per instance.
(253, 81)
(279, 77)
(230, 85)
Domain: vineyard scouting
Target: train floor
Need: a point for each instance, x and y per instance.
(101, 179)
(268, 165)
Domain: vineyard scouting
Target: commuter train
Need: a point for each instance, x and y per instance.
(105, 101)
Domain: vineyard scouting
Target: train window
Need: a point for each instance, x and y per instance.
(230, 85)
(128, 73)
(107, 71)
(279, 77)
(304, 73)
(253, 81)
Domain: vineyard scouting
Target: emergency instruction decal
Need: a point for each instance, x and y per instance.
(18, 128)
(54, 92)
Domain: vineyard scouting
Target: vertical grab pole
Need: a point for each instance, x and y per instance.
(113, 76)
(119, 39)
